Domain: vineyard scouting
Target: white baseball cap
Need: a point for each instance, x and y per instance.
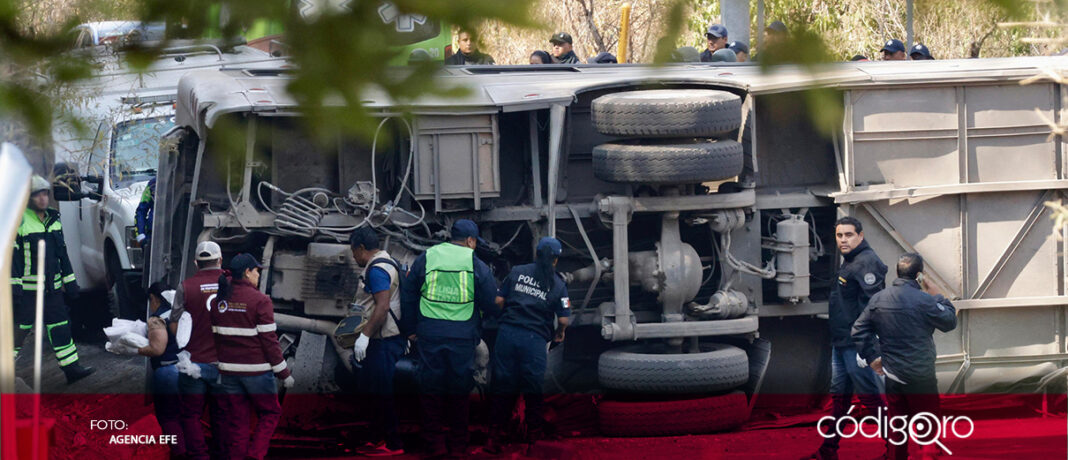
(208, 250)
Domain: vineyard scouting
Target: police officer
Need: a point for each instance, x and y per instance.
(380, 344)
(894, 50)
(717, 40)
(902, 319)
(250, 358)
(859, 277)
(919, 52)
(741, 50)
(468, 54)
(562, 47)
(199, 384)
(532, 295)
(448, 290)
(40, 223)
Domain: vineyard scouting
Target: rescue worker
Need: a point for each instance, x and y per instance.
(199, 383)
(536, 310)
(380, 344)
(540, 57)
(902, 319)
(859, 277)
(250, 358)
(919, 52)
(162, 350)
(468, 54)
(741, 50)
(894, 50)
(40, 223)
(144, 214)
(448, 291)
(562, 46)
(717, 40)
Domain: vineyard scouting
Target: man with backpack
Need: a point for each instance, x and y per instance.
(380, 343)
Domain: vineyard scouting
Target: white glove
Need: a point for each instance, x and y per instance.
(861, 363)
(359, 351)
(289, 382)
(141, 237)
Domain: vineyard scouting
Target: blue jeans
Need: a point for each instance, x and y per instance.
(168, 405)
(258, 392)
(519, 359)
(848, 378)
(195, 395)
(376, 382)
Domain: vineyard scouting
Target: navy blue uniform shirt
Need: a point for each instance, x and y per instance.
(411, 292)
(529, 305)
(861, 275)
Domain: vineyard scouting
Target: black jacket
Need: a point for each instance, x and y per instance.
(474, 58)
(859, 278)
(569, 58)
(903, 318)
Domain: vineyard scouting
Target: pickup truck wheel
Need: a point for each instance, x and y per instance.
(670, 418)
(667, 113)
(120, 291)
(656, 369)
(667, 163)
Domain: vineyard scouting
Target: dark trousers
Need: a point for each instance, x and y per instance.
(242, 393)
(196, 394)
(519, 358)
(168, 405)
(848, 378)
(907, 399)
(376, 383)
(56, 321)
(445, 382)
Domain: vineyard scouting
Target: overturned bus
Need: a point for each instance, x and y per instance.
(695, 202)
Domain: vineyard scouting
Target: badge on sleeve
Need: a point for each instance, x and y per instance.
(566, 302)
(869, 278)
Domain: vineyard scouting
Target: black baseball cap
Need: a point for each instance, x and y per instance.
(893, 45)
(561, 37)
(242, 262)
(738, 47)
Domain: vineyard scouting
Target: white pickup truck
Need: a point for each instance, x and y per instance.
(109, 162)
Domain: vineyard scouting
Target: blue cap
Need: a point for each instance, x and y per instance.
(551, 245)
(242, 262)
(716, 30)
(463, 229)
(893, 45)
(738, 47)
(921, 50)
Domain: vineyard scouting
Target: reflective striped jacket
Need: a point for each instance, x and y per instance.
(58, 271)
(245, 337)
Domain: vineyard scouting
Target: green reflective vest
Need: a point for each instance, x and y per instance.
(448, 292)
(58, 270)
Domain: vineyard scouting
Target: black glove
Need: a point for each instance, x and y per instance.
(71, 291)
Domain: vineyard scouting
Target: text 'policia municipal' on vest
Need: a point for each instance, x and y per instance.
(449, 290)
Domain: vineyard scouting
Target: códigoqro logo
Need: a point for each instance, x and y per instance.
(924, 428)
